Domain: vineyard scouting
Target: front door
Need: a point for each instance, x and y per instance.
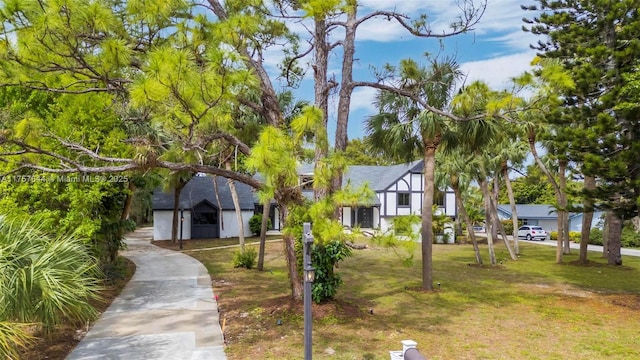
(204, 222)
(362, 217)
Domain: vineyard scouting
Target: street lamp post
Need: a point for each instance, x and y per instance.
(309, 277)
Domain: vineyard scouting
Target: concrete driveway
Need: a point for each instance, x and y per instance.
(166, 312)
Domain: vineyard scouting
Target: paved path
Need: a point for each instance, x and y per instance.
(166, 312)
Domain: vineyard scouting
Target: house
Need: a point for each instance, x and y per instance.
(545, 216)
(398, 189)
(204, 214)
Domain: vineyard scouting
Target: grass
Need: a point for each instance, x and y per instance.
(531, 308)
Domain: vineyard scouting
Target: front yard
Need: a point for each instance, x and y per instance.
(525, 309)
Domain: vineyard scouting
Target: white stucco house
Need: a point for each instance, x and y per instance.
(205, 215)
(399, 190)
(545, 216)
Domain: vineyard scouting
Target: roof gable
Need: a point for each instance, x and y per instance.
(201, 188)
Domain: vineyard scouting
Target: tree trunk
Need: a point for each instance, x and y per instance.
(495, 190)
(346, 88)
(126, 211)
(236, 205)
(292, 261)
(562, 201)
(614, 256)
(605, 233)
(467, 220)
(321, 90)
(512, 202)
(587, 219)
(427, 216)
(531, 137)
(494, 209)
(487, 209)
(263, 233)
(176, 209)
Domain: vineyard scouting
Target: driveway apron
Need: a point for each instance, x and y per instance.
(166, 311)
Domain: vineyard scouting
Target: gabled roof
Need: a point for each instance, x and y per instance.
(201, 188)
(379, 178)
(530, 211)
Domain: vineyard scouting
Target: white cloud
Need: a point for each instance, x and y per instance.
(497, 72)
(362, 99)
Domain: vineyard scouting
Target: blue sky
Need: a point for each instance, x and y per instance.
(497, 50)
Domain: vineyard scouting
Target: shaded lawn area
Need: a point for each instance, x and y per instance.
(531, 308)
(197, 244)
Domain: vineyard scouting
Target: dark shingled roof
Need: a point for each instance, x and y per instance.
(201, 188)
(379, 178)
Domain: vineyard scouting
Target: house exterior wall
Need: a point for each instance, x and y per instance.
(575, 222)
(162, 220)
(231, 226)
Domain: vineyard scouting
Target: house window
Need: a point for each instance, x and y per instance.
(404, 199)
(438, 198)
(306, 182)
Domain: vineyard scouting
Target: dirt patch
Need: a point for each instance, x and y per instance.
(626, 301)
(67, 336)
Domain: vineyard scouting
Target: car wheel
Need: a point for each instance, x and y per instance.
(529, 237)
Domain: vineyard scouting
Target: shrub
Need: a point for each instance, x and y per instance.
(508, 226)
(630, 238)
(245, 259)
(553, 235)
(575, 236)
(325, 257)
(595, 236)
(255, 224)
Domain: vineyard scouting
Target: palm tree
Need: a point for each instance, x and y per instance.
(44, 280)
(404, 130)
(453, 172)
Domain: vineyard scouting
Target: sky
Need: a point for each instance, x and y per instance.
(494, 52)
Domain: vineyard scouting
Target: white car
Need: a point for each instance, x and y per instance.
(531, 232)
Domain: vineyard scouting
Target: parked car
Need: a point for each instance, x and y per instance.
(531, 232)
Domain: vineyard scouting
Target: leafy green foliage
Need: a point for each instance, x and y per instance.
(401, 237)
(45, 279)
(325, 257)
(245, 259)
(255, 224)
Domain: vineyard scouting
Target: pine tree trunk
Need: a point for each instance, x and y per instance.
(321, 90)
(236, 205)
(263, 234)
(614, 256)
(562, 201)
(292, 261)
(605, 233)
(176, 215)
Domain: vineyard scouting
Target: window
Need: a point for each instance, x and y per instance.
(306, 182)
(404, 199)
(438, 197)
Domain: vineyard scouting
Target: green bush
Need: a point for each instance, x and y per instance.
(630, 238)
(245, 259)
(255, 224)
(575, 236)
(325, 257)
(508, 226)
(595, 236)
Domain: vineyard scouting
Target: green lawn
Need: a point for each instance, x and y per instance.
(525, 309)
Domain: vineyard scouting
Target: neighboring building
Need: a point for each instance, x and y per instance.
(399, 190)
(204, 216)
(545, 216)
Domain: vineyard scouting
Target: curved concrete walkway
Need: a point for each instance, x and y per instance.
(166, 312)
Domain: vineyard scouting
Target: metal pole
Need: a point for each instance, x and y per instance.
(306, 263)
